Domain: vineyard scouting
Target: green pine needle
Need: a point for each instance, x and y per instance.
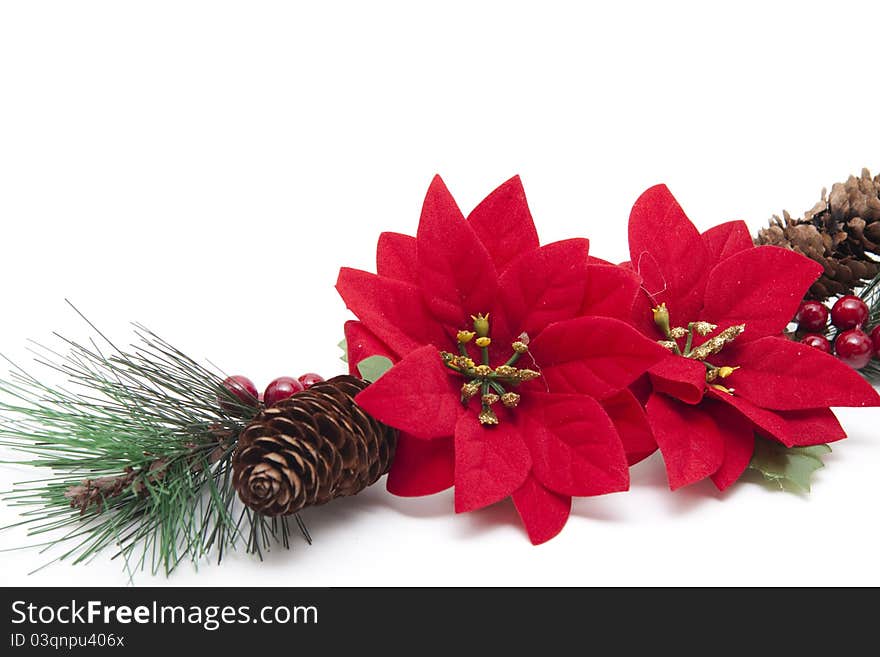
(139, 451)
(870, 294)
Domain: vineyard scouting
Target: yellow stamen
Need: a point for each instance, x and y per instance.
(716, 343)
(510, 399)
(483, 342)
(704, 328)
(527, 375)
(465, 336)
(488, 417)
(469, 390)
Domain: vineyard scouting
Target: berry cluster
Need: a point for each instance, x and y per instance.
(243, 391)
(846, 336)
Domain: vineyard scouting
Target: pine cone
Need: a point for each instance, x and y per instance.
(841, 232)
(310, 449)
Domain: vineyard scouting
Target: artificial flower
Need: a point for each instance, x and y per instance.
(720, 306)
(507, 381)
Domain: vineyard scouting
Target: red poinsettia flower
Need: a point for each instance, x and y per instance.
(720, 305)
(512, 360)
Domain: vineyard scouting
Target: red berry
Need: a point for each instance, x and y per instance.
(310, 379)
(280, 389)
(854, 348)
(812, 316)
(242, 389)
(849, 312)
(817, 341)
(875, 338)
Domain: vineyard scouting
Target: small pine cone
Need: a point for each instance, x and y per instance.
(311, 448)
(857, 197)
(841, 232)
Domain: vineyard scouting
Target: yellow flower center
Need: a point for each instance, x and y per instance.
(489, 383)
(710, 347)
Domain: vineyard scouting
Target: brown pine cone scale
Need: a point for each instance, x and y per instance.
(841, 232)
(311, 448)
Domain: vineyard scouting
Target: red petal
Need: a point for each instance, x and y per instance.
(688, 437)
(642, 317)
(417, 395)
(642, 388)
(812, 427)
(456, 274)
(738, 436)
(361, 343)
(668, 253)
(792, 428)
(490, 462)
(544, 285)
(610, 292)
(391, 310)
(543, 512)
(632, 425)
(421, 467)
(504, 224)
(574, 446)
(727, 239)
(780, 374)
(397, 257)
(597, 356)
(679, 377)
(761, 288)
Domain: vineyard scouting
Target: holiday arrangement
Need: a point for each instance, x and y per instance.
(481, 360)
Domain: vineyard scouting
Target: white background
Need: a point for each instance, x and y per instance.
(206, 168)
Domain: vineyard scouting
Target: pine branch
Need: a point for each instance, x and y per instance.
(870, 294)
(139, 450)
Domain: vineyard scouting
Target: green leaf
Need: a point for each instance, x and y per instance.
(788, 467)
(344, 346)
(373, 367)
